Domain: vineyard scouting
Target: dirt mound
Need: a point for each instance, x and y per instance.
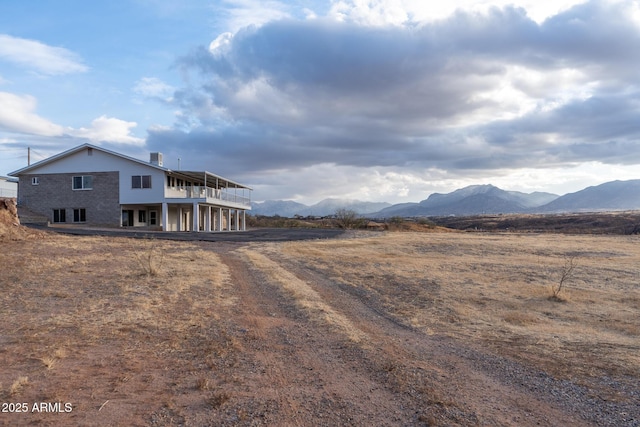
(8, 212)
(10, 228)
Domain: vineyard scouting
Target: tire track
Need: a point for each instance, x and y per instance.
(461, 385)
(311, 374)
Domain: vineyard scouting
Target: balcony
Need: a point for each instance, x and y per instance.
(209, 195)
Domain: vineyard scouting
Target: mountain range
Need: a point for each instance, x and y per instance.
(473, 200)
(288, 208)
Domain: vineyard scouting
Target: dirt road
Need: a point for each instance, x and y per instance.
(142, 332)
(317, 353)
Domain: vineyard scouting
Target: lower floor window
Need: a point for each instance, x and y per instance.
(59, 215)
(79, 215)
(142, 217)
(153, 217)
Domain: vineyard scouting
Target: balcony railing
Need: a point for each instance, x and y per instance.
(202, 192)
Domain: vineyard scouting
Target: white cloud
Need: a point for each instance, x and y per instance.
(17, 115)
(40, 57)
(221, 44)
(398, 12)
(153, 87)
(371, 12)
(393, 104)
(108, 129)
(245, 13)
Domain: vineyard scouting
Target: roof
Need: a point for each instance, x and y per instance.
(9, 179)
(76, 150)
(189, 174)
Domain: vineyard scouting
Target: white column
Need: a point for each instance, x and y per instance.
(165, 217)
(228, 219)
(219, 219)
(179, 218)
(196, 217)
(244, 220)
(207, 219)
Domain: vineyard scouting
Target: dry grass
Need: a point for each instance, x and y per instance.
(18, 385)
(494, 289)
(86, 323)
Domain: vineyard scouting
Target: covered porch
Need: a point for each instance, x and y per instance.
(203, 217)
(195, 216)
(202, 201)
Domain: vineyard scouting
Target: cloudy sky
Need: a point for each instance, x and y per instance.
(380, 100)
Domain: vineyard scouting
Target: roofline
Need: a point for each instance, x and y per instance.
(77, 149)
(113, 153)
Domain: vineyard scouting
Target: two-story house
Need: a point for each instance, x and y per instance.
(94, 186)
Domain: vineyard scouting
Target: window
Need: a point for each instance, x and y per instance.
(141, 181)
(80, 215)
(84, 182)
(153, 217)
(142, 217)
(35, 180)
(59, 215)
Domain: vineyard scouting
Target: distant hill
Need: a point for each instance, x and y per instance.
(472, 200)
(285, 208)
(610, 196)
(323, 208)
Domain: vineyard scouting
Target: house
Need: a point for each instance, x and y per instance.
(8, 187)
(93, 186)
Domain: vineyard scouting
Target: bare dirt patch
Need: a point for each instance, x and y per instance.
(10, 228)
(371, 329)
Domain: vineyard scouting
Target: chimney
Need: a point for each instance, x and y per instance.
(156, 159)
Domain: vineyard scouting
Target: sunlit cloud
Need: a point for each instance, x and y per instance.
(39, 57)
(108, 129)
(17, 114)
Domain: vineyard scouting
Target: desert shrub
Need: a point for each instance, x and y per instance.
(348, 219)
(149, 257)
(396, 220)
(276, 221)
(566, 273)
(426, 221)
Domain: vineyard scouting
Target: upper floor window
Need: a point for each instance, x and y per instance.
(84, 182)
(35, 180)
(141, 181)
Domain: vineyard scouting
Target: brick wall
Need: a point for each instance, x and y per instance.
(55, 191)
